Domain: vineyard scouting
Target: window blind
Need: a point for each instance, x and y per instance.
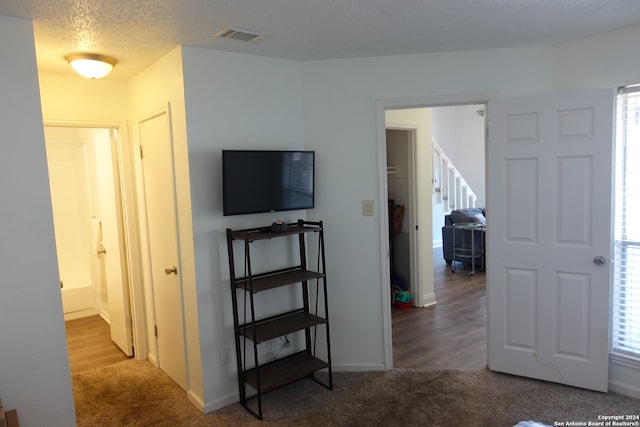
(626, 291)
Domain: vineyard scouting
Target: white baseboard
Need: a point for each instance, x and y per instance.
(358, 368)
(209, 407)
(624, 375)
(105, 315)
(80, 314)
(626, 389)
(195, 400)
(429, 300)
(151, 357)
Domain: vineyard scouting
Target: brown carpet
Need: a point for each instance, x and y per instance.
(135, 393)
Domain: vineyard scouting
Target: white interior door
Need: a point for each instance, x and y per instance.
(111, 238)
(549, 237)
(157, 164)
(70, 203)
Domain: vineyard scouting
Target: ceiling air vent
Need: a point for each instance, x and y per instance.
(237, 34)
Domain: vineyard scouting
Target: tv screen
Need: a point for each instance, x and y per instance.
(255, 181)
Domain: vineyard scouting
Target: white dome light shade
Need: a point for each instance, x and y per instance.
(91, 65)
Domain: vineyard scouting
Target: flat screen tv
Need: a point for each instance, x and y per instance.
(256, 181)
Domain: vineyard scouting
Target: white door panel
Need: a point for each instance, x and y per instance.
(111, 238)
(549, 216)
(70, 202)
(157, 162)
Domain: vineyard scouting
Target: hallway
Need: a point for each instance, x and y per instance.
(89, 344)
(450, 335)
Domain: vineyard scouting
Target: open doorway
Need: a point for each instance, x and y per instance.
(86, 193)
(450, 140)
(402, 198)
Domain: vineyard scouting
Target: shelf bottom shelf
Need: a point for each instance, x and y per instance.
(284, 371)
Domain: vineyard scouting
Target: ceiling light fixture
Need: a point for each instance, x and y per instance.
(91, 65)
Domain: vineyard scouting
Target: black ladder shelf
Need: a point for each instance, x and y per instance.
(250, 331)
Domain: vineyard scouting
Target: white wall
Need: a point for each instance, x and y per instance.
(460, 131)
(242, 101)
(340, 124)
(34, 366)
(609, 60)
(233, 101)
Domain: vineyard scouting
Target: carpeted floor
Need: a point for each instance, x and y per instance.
(135, 393)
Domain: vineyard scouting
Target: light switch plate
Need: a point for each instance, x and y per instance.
(367, 208)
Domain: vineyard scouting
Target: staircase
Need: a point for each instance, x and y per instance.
(449, 186)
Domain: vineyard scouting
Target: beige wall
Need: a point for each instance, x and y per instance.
(160, 86)
(71, 97)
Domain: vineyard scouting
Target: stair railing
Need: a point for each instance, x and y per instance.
(448, 184)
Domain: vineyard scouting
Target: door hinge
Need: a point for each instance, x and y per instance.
(155, 330)
(131, 322)
(141, 156)
(417, 229)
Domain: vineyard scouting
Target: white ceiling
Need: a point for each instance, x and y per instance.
(137, 32)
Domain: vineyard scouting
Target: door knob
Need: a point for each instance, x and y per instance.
(173, 270)
(599, 261)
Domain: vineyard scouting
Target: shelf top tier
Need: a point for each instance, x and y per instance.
(263, 233)
(262, 282)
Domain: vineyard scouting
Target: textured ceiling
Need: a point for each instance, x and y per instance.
(138, 32)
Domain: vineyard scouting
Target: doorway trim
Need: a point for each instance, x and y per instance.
(395, 104)
(131, 230)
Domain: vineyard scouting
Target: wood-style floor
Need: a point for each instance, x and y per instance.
(450, 335)
(89, 344)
